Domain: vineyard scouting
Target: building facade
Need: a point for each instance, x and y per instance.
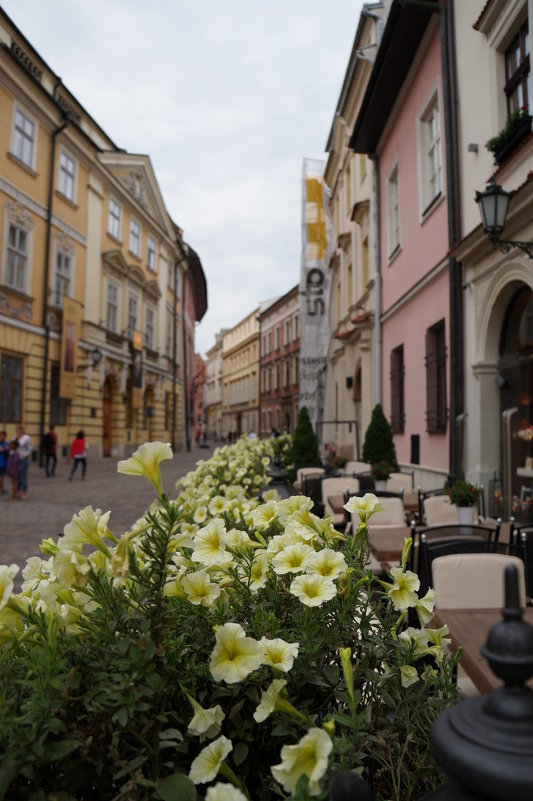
(92, 268)
(240, 359)
(350, 378)
(215, 382)
(280, 360)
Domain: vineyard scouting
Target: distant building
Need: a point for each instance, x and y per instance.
(240, 355)
(280, 359)
(214, 387)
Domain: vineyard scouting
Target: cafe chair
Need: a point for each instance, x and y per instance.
(398, 481)
(423, 495)
(438, 511)
(334, 492)
(356, 467)
(523, 536)
(306, 471)
(312, 488)
(429, 543)
(474, 580)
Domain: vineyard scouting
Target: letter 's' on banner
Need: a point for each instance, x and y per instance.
(314, 288)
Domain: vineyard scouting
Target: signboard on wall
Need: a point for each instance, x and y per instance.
(317, 244)
(70, 334)
(137, 370)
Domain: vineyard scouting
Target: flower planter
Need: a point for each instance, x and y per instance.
(380, 484)
(523, 128)
(466, 515)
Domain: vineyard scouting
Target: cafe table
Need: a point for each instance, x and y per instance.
(386, 542)
(469, 628)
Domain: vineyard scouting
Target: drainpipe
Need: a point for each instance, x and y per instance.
(175, 348)
(185, 379)
(46, 280)
(377, 281)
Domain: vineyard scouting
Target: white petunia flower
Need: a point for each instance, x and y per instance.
(279, 654)
(313, 590)
(207, 764)
(235, 655)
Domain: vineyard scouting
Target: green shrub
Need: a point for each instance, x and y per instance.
(305, 442)
(379, 442)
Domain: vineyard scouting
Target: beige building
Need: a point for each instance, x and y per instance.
(214, 387)
(91, 271)
(240, 357)
(351, 390)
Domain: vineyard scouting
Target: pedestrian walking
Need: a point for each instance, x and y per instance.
(50, 451)
(78, 454)
(4, 456)
(24, 451)
(13, 468)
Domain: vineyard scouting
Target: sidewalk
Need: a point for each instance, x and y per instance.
(53, 501)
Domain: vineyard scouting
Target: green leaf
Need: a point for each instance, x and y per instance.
(170, 734)
(332, 674)
(240, 752)
(177, 787)
(60, 749)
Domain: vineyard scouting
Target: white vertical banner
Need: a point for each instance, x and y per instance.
(317, 244)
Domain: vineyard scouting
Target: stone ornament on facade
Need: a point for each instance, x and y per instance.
(23, 312)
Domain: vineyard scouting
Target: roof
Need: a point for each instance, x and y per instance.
(404, 30)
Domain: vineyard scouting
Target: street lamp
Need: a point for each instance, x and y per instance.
(94, 358)
(493, 206)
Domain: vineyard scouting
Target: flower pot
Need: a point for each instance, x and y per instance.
(380, 484)
(466, 514)
(504, 150)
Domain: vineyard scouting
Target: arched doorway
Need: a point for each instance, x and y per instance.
(515, 381)
(107, 417)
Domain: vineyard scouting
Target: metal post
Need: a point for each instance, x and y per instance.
(507, 474)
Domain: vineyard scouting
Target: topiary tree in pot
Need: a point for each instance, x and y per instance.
(305, 442)
(379, 442)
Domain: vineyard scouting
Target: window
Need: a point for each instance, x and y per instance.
(393, 209)
(113, 219)
(170, 336)
(24, 138)
(135, 238)
(278, 337)
(287, 339)
(11, 389)
(436, 378)
(431, 153)
(151, 253)
(67, 175)
(17, 257)
(58, 406)
(62, 278)
(296, 332)
(133, 307)
(397, 373)
(149, 327)
(518, 72)
(112, 307)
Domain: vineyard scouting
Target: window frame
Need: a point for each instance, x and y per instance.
(135, 238)
(19, 254)
(151, 253)
(111, 287)
(394, 235)
(19, 136)
(114, 221)
(436, 360)
(67, 181)
(57, 299)
(150, 341)
(520, 77)
(429, 145)
(132, 321)
(397, 384)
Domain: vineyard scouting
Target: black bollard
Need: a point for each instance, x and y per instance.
(485, 744)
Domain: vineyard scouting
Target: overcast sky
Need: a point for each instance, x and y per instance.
(226, 98)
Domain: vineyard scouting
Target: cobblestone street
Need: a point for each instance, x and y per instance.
(52, 502)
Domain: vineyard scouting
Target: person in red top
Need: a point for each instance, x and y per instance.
(78, 454)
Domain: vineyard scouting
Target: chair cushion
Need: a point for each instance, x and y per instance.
(474, 580)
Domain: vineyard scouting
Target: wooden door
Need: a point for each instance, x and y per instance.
(107, 418)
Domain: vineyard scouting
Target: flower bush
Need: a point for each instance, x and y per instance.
(381, 471)
(226, 647)
(464, 493)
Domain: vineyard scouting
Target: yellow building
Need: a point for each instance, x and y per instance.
(240, 366)
(92, 270)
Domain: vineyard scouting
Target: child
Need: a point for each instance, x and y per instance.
(78, 454)
(13, 468)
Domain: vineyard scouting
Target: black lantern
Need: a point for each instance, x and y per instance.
(493, 206)
(94, 358)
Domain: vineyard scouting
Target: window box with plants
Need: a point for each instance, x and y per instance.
(515, 130)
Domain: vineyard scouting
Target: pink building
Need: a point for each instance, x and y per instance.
(402, 127)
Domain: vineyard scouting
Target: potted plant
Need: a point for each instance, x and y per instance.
(380, 472)
(464, 495)
(516, 128)
(379, 441)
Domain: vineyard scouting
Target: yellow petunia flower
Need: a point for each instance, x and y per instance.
(279, 654)
(88, 526)
(269, 700)
(409, 675)
(235, 655)
(403, 592)
(425, 606)
(224, 792)
(210, 544)
(309, 757)
(207, 764)
(145, 462)
(206, 723)
(293, 559)
(328, 563)
(313, 590)
(199, 588)
(365, 506)
(7, 574)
